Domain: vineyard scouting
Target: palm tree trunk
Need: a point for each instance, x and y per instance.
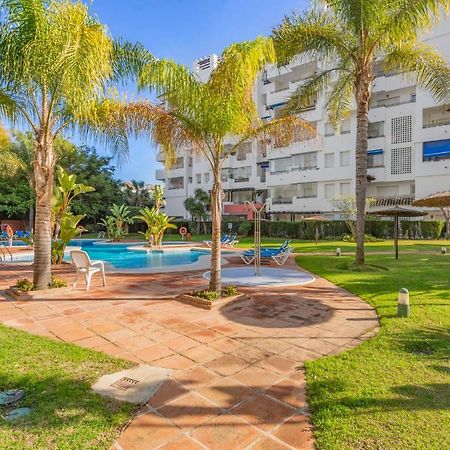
(362, 118)
(216, 217)
(43, 185)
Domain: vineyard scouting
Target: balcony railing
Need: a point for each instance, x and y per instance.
(389, 105)
(174, 188)
(241, 179)
(437, 124)
(281, 200)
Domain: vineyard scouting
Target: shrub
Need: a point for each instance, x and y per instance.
(228, 291)
(24, 285)
(245, 228)
(367, 238)
(57, 283)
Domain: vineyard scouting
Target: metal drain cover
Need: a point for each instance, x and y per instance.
(135, 385)
(124, 383)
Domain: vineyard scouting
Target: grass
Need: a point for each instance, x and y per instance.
(393, 391)
(56, 378)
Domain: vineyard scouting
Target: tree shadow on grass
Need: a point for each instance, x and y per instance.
(62, 407)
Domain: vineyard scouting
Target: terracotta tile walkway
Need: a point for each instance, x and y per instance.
(238, 381)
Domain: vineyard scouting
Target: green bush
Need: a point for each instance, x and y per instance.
(57, 283)
(245, 228)
(228, 291)
(24, 285)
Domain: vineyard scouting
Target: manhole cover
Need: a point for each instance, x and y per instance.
(11, 396)
(124, 383)
(16, 414)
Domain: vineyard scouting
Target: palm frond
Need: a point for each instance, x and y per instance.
(129, 59)
(309, 90)
(340, 99)
(430, 68)
(408, 18)
(283, 131)
(179, 86)
(316, 34)
(168, 128)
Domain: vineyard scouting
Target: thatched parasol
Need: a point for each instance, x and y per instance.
(437, 200)
(396, 212)
(315, 218)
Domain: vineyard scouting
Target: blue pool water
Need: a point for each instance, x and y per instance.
(118, 256)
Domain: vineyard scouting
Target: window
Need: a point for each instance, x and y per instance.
(280, 165)
(375, 129)
(345, 126)
(307, 190)
(401, 161)
(344, 188)
(401, 130)
(329, 160)
(304, 161)
(344, 158)
(375, 158)
(436, 150)
(329, 129)
(198, 178)
(206, 177)
(329, 190)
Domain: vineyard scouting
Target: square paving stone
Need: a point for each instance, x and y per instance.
(227, 365)
(189, 411)
(182, 443)
(202, 354)
(225, 432)
(263, 412)
(296, 432)
(168, 392)
(148, 431)
(278, 364)
(288, 391)
(196, 377)
(256, 378)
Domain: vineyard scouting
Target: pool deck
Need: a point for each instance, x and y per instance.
(238, 377)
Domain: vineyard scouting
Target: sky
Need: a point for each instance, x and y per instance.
(184, 30)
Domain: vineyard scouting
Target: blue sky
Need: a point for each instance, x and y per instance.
(185, 30)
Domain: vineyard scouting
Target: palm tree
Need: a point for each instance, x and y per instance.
(351, 36)
(198, 207)
(157, 223)
(158, 197)
(56, 64)
(200, 116)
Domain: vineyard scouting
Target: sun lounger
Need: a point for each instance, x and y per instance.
(231, 241)
(279, 255)
(223, 239)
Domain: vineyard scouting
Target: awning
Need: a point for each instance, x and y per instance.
(277, 105)
(378, 151)
(436, 148)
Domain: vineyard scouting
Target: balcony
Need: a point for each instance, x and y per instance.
(240, 209)
(282, 201)
(160, 174)
(438, 116)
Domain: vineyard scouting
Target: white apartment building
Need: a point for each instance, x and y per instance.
(408, 157)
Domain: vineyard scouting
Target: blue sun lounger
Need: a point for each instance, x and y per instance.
(279, 255)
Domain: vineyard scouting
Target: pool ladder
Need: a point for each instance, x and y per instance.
(4, 253)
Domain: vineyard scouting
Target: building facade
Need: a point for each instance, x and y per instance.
(408, 156)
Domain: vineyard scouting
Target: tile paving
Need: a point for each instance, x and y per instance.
(238, 381)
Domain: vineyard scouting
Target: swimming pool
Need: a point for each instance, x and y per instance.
(120, 256)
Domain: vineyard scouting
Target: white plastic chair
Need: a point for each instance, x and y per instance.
(86, 267)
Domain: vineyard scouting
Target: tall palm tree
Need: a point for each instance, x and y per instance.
(56, 65)
(200, 116)
(351, 36)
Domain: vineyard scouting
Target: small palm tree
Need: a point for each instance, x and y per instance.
(198, 207)
(157, 224)
(351, 36)
(56, 65)
(201, 116)
(158, 197)
(117, 222)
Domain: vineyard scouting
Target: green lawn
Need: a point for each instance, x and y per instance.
(393, 391)
(56, 378)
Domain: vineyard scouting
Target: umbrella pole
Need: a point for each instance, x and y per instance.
(396, 235)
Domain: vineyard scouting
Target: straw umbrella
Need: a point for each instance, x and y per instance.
(396, 212)
(315, 218)
(438, 200)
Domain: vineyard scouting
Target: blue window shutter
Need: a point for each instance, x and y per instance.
(436, 149)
